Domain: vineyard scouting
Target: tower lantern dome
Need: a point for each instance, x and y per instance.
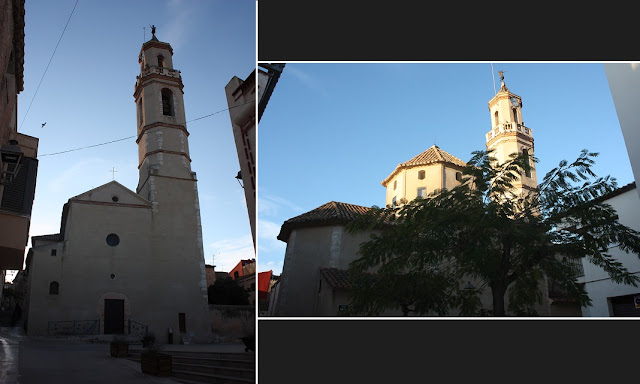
(508, 133)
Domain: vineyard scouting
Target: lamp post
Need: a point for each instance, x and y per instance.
(239, 177)
(12, 157)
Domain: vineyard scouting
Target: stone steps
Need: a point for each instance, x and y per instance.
(245, 373)
(198, 377)
(192, 367)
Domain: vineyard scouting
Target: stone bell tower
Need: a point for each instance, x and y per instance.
(167, 181)
(509, 135)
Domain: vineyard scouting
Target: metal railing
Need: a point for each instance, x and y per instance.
(91, 327)
(137, 329)
(73, 327)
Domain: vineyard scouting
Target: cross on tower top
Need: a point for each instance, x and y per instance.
(113, 172)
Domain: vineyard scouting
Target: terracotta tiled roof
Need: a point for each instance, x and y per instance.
(54, 237)
(432, 155)
(338, 278)
(327, 214)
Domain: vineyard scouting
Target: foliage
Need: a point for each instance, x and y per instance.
(11, 296)
(227, 292)
(482, 231)
(149, 342)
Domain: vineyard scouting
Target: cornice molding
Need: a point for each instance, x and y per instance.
(162, 151)
(160, 124)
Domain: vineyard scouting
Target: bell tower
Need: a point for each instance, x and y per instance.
(509, 135)
(163, 148)
(167, 181)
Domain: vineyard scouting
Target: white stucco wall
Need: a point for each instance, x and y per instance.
(624, 82)
(597, 283)
(308, 249)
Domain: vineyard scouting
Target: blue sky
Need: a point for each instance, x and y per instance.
(86, 98)
(334, 131)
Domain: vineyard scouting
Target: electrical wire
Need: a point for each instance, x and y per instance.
(131, 137)
(45, 70)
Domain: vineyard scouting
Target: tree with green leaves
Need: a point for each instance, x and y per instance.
(481, 231)
(227, 291)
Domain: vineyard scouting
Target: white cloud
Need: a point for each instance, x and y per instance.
(177, 31)
(229, 252)
(275, 266)
(269, 205)
(82, 170)
(307, 80)
(267, 237)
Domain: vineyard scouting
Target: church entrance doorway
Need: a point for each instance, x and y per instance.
(113, 316)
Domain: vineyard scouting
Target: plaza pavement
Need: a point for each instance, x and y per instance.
(27, 360)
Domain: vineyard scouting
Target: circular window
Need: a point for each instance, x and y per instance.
(115, 199)
(112, 276)
(113, 239)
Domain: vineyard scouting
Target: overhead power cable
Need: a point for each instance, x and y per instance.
(45, 70)
(131, 137)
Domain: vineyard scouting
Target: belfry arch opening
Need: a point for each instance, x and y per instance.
(525, 152)
(167, 102)
(140, 114)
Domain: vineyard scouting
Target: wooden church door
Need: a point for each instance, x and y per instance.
(113, 316)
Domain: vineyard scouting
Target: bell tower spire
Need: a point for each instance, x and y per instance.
(163, 148)
(509, 134)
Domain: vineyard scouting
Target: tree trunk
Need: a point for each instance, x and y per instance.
(498, 292)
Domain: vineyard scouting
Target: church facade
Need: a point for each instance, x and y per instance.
(319, 249)
(127, 260)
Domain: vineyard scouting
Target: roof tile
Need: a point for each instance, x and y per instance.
(337, 278)
(432, 155)
(327, 214)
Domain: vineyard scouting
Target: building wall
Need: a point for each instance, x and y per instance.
(328, 299)
(407, 182)
(231, 322)
(624, 83)
(10, 85)
(308, 249)
(14, 220)
(211, 274)
(597, 282)
(240, 94)
(157, 270)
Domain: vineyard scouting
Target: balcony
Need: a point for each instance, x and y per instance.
(509, 127)
(156, 70)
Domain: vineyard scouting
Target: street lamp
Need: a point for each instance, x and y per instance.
(239, 177)
(12, 156)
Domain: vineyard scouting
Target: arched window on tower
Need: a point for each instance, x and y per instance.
(160, 61)
(167, 102)
(495, 118)
(140, 116)
(54, 287)
(525, 152)
(515, 116)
